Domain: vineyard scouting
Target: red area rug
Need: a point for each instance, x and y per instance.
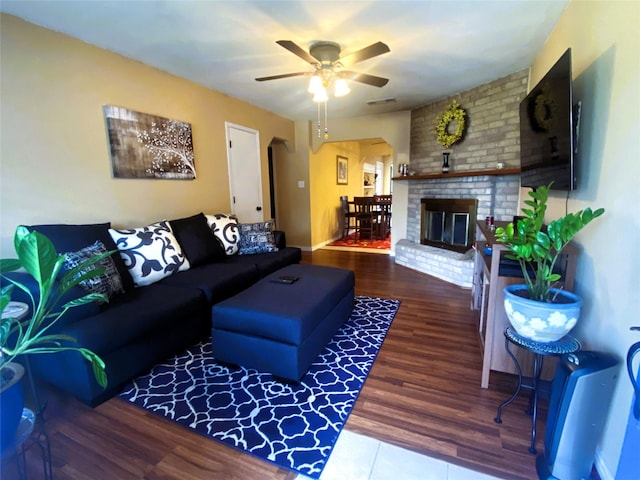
(384, 244)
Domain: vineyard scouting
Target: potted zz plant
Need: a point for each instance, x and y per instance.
(536, 309)
(33, 333)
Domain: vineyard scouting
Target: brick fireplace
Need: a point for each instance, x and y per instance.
(495, 195)
(491, 143)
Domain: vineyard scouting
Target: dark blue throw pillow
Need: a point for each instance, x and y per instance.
(71, 238)
(197, 240)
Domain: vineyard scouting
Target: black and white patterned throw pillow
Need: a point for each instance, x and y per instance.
(225, 228)
(150, 253)
(256, 238)
(108, 283)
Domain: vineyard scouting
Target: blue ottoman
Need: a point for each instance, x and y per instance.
(281, 328)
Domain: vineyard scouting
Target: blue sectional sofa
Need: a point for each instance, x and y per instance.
(143, 325)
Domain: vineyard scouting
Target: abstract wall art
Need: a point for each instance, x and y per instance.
(148, 146)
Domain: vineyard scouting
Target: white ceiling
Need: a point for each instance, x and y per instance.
(438, 48)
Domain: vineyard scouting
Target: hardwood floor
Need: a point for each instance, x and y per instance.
(423, 393)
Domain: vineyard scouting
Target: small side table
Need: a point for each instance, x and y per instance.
(566, 344)
(17, 310)
(30, 434)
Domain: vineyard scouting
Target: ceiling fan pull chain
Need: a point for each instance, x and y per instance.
(326, 121)
(318, 103)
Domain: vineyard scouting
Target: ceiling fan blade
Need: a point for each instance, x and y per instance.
(296, 50)
(365, 78)
(284, 75)
(365, 53)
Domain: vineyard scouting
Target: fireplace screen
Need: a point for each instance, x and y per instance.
(448, 223)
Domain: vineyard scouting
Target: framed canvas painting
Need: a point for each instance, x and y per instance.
(148, 146)
(342, 170)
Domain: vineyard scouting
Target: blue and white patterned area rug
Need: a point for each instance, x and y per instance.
(294, 427)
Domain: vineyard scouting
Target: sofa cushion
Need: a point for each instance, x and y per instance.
(70, 238)
(217, 281)
(68, 371)
(108, 283)
(267, 263)
(197, 240)
(225, 229)
(150, 253)
(136, 314)
(256, 238)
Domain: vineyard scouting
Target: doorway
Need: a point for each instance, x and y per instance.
(245, 178)
(272, 187)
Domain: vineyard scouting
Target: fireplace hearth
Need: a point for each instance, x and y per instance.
(448, 223)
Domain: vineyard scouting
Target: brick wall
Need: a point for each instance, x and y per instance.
(492, 135)
(492, 131)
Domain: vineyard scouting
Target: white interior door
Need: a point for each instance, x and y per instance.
(245, 177)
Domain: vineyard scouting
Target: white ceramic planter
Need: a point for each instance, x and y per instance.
(540, 321)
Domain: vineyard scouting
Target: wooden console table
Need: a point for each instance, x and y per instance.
(488, 297)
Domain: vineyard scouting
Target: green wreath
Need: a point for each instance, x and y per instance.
(453, 113)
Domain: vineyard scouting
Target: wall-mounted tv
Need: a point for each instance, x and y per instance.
(547, 136)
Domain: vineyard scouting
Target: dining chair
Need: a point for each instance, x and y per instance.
(348, 216)
(367, 218)
(383, 204)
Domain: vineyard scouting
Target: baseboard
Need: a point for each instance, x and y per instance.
(322, 244)
(304, 249)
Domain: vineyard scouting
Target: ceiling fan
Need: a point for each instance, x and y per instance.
(329, 66)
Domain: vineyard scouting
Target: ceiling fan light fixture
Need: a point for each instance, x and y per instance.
(325, 58)
(315, 84)
(341, 87)
(320, 95)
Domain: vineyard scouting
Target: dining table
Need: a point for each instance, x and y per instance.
(376, 214)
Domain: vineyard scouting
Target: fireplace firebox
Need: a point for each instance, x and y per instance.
(448, 223)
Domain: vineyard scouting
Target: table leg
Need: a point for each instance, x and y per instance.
(515, 394)
(45, 450)
(533, 399)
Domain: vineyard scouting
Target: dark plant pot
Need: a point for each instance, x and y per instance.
(541, 321)
(11, 403)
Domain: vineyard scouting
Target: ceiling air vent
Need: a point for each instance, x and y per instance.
(381, 102)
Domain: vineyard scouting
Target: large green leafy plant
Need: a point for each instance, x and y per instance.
(537, 249)
(34, 333)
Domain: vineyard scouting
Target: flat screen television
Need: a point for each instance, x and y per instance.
(547, 134)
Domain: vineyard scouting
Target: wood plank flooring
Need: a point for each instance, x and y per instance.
(423, 393)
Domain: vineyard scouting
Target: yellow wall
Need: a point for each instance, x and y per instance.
(293, 201)
(325, 192)
(605, 40)
(55, 165)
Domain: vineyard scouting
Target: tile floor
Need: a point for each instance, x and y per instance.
(356, 457)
